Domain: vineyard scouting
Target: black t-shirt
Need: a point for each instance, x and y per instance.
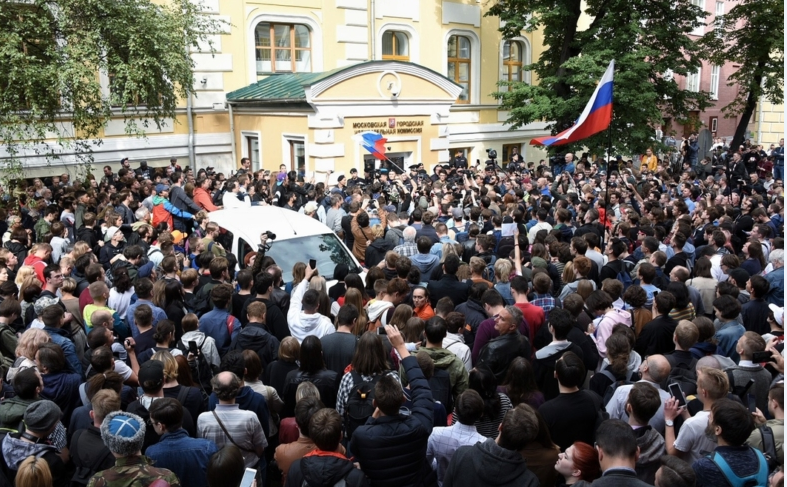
(572, 417)
(338, 350)
(144, 341)
(238, 300)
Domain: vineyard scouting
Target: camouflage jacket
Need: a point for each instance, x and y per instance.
(133, 471)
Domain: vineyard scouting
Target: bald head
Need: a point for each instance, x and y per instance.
(409, 234)
(679, 274)
(708, 361)
(101, 317)
(227, 386)
(657, 368)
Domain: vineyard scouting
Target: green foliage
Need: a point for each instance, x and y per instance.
(751, 35)
(51, 54)
(646, 38)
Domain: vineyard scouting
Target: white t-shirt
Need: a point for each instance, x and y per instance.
(692, 438)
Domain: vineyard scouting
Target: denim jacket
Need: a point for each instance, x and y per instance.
(186, 457)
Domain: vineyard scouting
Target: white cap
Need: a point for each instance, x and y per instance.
(778, 314)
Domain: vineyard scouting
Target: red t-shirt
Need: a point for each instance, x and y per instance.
(534, 316)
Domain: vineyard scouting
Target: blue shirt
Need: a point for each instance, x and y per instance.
(727, 338)
(186, 457)
(215, 324)
(59, 337)
(649, 289)
(158, 315)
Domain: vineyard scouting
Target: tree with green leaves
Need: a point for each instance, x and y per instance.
(648, 39)
(750, 35)
(53, 54)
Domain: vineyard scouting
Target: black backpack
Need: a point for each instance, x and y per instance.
(204, 370)
(614, 386)
(83, 474)
(360, 405)
(440, 384)
(683, 374)
(769, 447)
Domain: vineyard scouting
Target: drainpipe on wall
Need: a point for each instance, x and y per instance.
(759, 122)
(189, 115)
(232, 135)
(373, 32)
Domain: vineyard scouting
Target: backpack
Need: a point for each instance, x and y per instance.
(759, 479)
(614, 386)
(624, 276)
(83, 474)
(360, 406)
(440, 384)
(683, 374)
(489, 270)
(204, 372)
(769, 447)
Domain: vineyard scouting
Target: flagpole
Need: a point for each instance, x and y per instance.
(606, 197)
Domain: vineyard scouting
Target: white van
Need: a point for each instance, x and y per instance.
(299, 238)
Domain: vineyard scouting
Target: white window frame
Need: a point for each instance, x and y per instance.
(719, 14)
(412, 38)
(693, 80)
(715, 75)
(475, 62)
(244, 149)
(701, 29)
(314, 26)
(526, 58)
(286, 139)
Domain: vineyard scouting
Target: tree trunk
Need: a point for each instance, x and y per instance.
(748, 110)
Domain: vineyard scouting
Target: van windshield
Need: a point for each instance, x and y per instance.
(326, 249)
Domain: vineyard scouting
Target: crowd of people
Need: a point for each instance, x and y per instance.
(574, 321)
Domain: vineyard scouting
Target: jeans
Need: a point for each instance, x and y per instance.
(778, 172)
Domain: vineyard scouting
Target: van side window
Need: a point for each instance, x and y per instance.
(243, 249)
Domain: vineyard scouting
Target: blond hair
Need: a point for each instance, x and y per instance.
(170, 364)
(28, 343)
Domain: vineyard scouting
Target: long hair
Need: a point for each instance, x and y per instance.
(413, 330)
(369, 358)
(483, 381)
(520, 381)
(401, 314)
(755, 252)
(311, 355)
(33, 472)
(618, 351)
(355, 297)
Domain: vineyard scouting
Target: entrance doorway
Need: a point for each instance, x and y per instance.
(400, 162)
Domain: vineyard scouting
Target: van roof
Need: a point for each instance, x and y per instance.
(249, 223)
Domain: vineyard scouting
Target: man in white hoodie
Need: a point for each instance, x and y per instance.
(303, 318)
(231, 198)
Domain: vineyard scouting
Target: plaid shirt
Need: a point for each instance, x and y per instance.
(407, 249)
(545, 302)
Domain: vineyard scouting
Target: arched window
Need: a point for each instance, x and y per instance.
(282, 48)
(459, 65)
(513, 58)
(396, 46)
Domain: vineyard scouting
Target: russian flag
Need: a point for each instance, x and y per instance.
(595, 117)
(372, 142)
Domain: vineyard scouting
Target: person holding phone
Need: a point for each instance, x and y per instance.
(303, 317)
(391, 435)
(751, 348)
(692, 443)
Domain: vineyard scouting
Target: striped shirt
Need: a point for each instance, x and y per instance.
(243, 427)
(489, 427)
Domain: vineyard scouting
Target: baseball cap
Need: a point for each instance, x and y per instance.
(161, 187)
(310, 207)
(390, 208)
(778, 314)
(151, 375)
(177, 236)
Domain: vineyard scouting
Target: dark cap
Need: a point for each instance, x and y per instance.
(413, 167)
(41, 416)
(151, 375)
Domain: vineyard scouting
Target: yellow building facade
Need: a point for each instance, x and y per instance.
(421, 71)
